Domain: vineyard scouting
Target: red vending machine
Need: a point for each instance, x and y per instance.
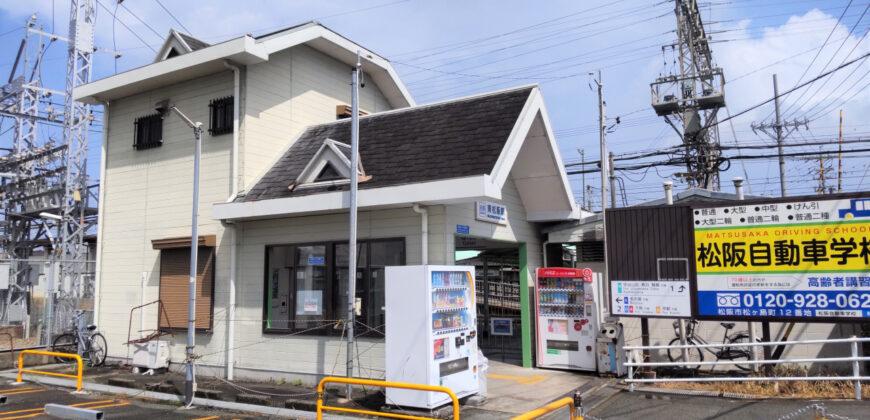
(566, 318)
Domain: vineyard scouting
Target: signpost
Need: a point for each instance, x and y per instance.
(805, 261)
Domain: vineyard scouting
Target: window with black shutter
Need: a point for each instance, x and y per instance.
(148, 132)
(221, 116)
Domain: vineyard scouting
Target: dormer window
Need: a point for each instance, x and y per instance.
(329, 167)
(328, 173)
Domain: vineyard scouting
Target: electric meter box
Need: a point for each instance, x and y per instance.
(151, 355)
(611, 349)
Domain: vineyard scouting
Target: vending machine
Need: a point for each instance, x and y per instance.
(431, 333)
(567, 318)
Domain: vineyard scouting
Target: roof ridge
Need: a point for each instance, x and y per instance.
(430, 105)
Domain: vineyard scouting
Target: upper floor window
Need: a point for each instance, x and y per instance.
(221, 116)
(148, 132)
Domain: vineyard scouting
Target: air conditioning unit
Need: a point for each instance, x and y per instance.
(151, 355)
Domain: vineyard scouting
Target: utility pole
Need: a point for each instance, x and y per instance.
(612, 181)
(840, 156)
(583, 176)
(602, 128)
(351, 248)
(780, 130)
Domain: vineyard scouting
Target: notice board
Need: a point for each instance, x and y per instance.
(650, 262)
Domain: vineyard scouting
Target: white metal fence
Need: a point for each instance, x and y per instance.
(855, 360)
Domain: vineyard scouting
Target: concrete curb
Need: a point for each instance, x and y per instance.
(198, 402)
(696, 392)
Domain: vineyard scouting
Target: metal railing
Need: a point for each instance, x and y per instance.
(382, 384)
(78, 359)
(573, 404)
(854, 360)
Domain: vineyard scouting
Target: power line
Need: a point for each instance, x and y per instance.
(840, 67)
(140, 20)
(173, 17)
(125, 25)
(820, 49)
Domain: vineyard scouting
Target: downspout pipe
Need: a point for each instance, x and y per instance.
(104, 153)
(231, 227)
(424, 222)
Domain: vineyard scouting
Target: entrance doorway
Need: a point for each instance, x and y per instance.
(497, 287)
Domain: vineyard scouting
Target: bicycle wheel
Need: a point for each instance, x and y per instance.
(97, 349)
(739, 353)
(65, 343)
(694, 353)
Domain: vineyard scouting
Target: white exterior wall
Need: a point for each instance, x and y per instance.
(147, 196)
(517, 229)
(147, 193)
(308, 354)
(294, 89)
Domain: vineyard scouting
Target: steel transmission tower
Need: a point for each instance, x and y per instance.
(77, 217)
(45, 188)
(690, 96)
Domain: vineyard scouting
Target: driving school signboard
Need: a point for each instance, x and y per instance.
(805, 260)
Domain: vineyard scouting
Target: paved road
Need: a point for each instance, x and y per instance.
(28, 401)
(637, 405)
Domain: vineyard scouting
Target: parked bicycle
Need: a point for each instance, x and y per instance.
(82, 340)
(695, 355)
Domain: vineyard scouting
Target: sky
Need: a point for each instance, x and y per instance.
(452, 48)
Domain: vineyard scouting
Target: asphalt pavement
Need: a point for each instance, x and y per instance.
(639, 405)
(28, 400)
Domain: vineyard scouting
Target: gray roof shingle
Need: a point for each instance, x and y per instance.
(452, 139)
(192, 42)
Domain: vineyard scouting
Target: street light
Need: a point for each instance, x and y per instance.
(161, 107)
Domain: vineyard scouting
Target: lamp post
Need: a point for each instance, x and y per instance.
(189, 380)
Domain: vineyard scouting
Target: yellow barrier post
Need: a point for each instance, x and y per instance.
(553, 406)
(78, 359)
(382, 384)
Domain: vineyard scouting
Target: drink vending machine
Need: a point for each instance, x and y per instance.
(431, 332)
(566, 312)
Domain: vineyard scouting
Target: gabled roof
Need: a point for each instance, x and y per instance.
(446, 152)
(425, 143)
(179, 43)
(244, 50)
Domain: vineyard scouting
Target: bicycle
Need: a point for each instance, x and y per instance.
(82, 340)
(724, 353)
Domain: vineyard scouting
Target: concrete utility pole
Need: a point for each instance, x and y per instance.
(612, 182)
(840, 156)
(351, 248)
(781, 130)
(583, 176)
(778, 128)
(602, 128)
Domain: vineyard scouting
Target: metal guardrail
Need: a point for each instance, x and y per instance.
(78, 359)
(573, 405)
(854, 360)
(382, 384)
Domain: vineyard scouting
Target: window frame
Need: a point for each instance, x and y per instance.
(212, 279)
(217, 108)
(331, 302)
(138, 142)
